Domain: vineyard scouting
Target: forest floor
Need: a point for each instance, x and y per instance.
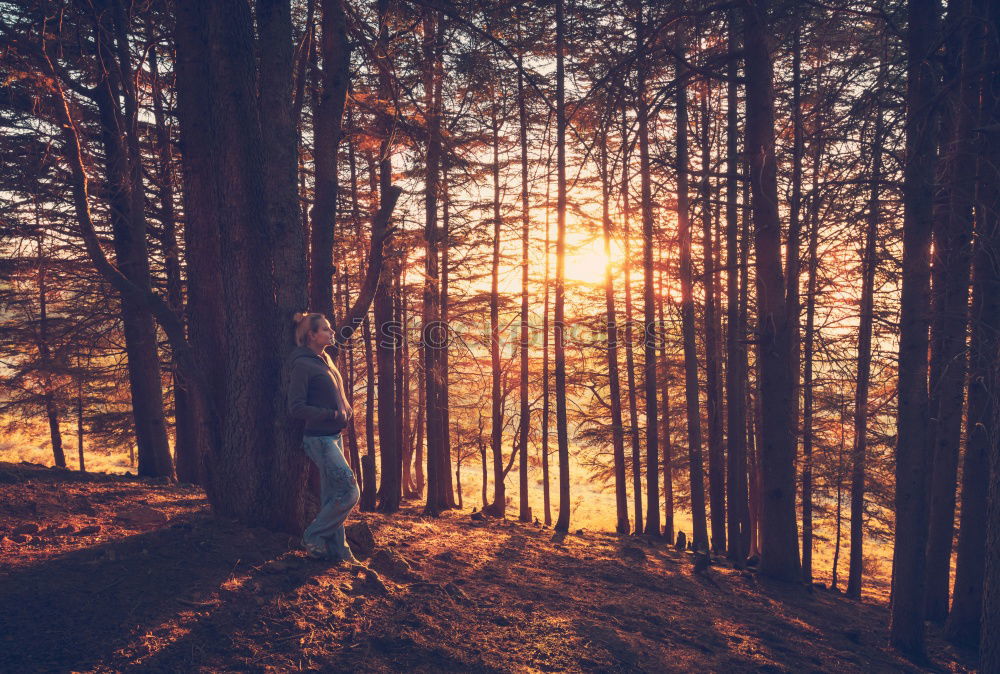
(109, 573)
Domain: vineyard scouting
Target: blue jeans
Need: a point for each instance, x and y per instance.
(339, 494)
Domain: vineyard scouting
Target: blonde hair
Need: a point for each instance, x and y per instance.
(305, 322)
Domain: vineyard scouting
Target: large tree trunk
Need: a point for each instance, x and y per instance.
(952, 248)
(973, 616)
(779, 534)
(386, 345)
(434, 334)
(256, 472)
(648, 298)
(738, 519)
(906, 628)
(988, 281)
(695, 460)
(562, 431)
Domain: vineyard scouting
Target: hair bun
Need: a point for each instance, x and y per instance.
(298, 317)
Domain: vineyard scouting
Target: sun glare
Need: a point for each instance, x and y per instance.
(585, 259)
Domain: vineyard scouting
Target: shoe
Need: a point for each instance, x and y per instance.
(313, 551)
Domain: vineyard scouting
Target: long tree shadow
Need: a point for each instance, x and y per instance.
(78, 610)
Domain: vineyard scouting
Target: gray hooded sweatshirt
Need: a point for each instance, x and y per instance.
(314, 393)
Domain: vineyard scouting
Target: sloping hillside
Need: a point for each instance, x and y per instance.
(106, 573)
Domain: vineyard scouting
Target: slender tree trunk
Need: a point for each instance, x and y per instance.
(793, 261)
(524, 509)
(668, 451)
(736, 355)
(419, 443)
(779, 533)
(79, 425)
(633, 405)
(807, 378)
(368, 483)
(695, 460)
(617, 429)
(713, 382)
(449, 491)
(46, 360)
(499, 506)
(906, 627)
(839, 516)
(562, 431)
(648, 299)
(187, 462)
(546, 496)
(328, 115)
(868, 266)
(126, 196)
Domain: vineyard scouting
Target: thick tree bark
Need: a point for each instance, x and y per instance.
(695, 460)
(988, 280)
(434, 337)
(952, 248)
(906, 627)
(971, 618)
(386, 345)
(779, 534)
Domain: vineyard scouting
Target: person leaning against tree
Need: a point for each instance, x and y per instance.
(316, 396)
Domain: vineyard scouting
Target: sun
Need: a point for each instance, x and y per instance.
(585, 259)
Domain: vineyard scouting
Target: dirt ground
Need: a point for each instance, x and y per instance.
(107, 573)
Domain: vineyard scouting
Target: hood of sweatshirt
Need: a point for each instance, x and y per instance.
(302, 352)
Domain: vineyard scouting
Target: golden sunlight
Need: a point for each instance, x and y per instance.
(585, 258)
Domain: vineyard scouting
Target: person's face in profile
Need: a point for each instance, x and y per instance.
(321, 337)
